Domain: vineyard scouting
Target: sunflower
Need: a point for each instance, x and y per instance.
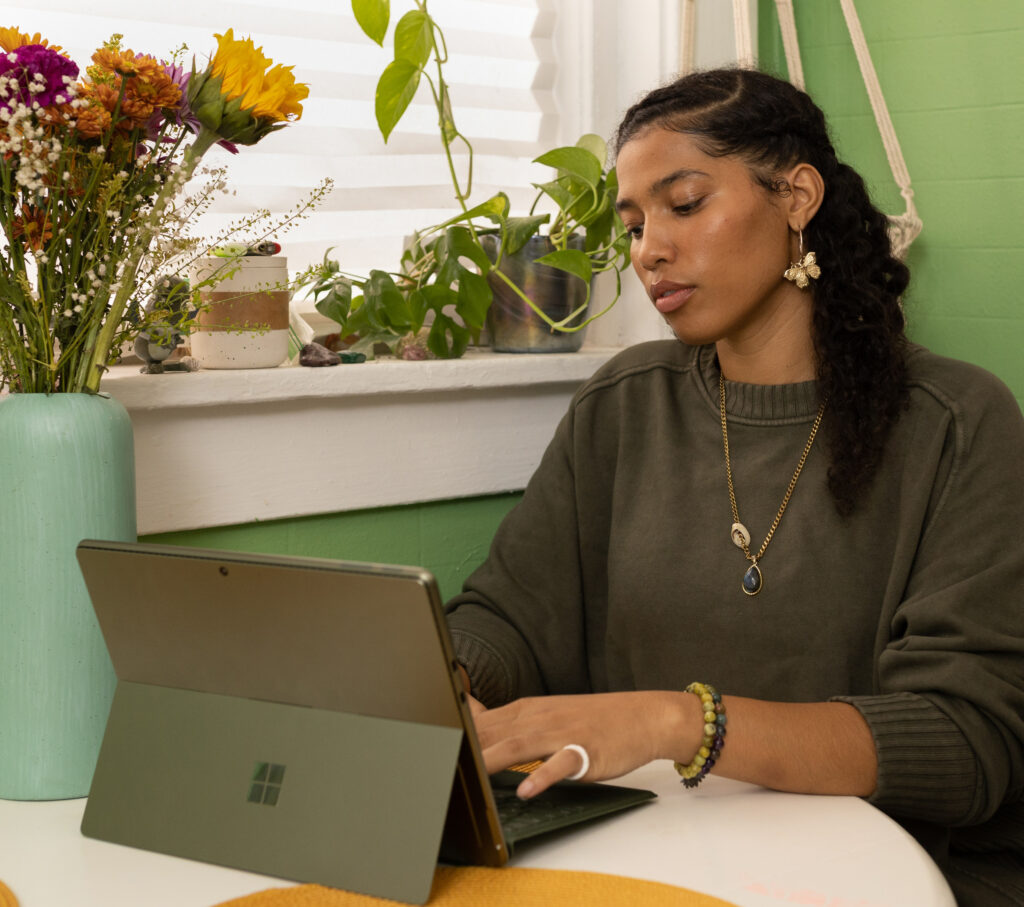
(243, 71)
(242, 96)
(12, 39)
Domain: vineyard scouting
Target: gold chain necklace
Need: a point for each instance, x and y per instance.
(753, 581)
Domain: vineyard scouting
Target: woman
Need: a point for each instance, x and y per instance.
(853, 592)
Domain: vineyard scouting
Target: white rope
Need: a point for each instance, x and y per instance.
(787, 24)
(742, 32)
(744, 39)
(878, 105)
(903, 228)
(687, 34)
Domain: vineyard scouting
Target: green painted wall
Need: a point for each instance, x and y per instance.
(953, 75)
(450, 538)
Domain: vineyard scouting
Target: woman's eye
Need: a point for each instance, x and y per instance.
(688, 207)
(635, 232)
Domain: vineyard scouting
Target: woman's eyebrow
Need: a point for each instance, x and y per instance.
(660, 185)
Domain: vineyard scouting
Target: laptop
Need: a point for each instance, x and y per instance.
(300, 718)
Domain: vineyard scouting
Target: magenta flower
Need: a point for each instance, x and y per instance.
(36, 74)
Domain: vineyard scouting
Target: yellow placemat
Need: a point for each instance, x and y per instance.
(7, 898)
(473, 886)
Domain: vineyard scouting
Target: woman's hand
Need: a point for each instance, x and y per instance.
(619, 731)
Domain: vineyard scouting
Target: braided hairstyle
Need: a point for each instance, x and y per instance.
(858, 323)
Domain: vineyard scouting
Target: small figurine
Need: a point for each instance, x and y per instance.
(155, 343)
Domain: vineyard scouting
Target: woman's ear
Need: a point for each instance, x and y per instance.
(807, 191)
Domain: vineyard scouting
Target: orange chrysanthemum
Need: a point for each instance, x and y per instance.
(12, 39)
(130, 113)
(92, 121)
(147, 86)
(153, 85)
(32, 227)
(115, 61)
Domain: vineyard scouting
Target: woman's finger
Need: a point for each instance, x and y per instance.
(567, 762)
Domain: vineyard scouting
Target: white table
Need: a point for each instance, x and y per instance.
(738, 842)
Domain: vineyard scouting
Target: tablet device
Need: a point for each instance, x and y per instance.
(301, 718)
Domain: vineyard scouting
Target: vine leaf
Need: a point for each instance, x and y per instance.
(373, 16)
(414, 38)
(573, 261)
(395, 90)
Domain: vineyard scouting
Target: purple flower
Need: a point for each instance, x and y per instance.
(36, 74)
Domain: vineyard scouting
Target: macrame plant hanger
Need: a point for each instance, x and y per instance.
(903, 228)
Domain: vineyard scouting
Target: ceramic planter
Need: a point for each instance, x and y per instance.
(244, 319)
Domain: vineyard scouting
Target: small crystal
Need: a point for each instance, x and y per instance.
(316, 355)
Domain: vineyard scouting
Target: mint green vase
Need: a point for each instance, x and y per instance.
(67, 472)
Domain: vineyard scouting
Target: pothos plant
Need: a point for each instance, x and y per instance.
(448, 269)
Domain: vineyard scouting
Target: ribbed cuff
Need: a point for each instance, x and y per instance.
(926, 768)
(489, 677)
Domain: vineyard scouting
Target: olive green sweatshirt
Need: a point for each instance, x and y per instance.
(617, 572)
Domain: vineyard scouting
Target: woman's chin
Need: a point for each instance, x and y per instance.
(688, 335)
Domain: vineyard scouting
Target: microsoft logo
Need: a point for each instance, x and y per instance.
(265, 786)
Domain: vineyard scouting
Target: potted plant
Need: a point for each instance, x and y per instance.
(434, 299)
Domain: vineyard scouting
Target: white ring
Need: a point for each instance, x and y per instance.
(582, 753)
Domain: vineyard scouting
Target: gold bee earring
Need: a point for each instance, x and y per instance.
(804, 268)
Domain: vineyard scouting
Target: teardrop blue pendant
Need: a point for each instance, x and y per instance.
(752, 580)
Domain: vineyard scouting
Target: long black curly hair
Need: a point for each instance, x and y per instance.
(858, 321)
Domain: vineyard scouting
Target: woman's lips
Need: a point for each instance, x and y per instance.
(670, 296)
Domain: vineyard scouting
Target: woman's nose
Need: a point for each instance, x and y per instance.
(653, 247)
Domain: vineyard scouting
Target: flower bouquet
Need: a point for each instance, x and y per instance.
(92, 168)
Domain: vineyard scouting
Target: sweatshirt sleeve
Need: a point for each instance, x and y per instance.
(517, 627)
(948, 717)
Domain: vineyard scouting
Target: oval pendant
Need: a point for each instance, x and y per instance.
(752, 580)
(740, 535)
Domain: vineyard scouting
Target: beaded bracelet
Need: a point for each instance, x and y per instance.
(714, 735)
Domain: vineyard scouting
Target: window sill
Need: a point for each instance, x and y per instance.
(216, 448)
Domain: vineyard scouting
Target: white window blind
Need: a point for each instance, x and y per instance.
(501, 75)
